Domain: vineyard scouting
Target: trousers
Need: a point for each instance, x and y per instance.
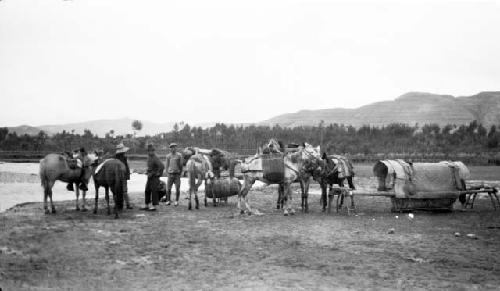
(173, 178)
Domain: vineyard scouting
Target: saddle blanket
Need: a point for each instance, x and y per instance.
(102, 164)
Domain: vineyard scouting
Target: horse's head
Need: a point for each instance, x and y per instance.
(274, 146)
(90, 162)
(220, 159)
(309, 152)
(187, 153)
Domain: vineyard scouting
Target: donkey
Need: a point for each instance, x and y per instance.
(57, 167)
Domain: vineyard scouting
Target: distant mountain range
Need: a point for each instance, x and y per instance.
(411, 108)
(121, 126)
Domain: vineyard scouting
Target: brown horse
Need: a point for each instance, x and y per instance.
(333, 170)
(110, 174)
(56, 167)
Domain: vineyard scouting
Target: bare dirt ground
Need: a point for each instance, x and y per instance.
(216, 248)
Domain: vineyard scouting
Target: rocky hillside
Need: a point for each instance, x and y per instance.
(410, 108)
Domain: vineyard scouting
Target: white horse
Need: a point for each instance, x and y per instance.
(293, 171)
(58, 167)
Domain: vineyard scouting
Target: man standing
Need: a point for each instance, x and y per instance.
(120, 155)
(155, 169)
(174, 170)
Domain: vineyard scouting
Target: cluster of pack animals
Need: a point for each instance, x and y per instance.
(301, 164)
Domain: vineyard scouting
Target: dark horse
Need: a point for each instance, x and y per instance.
(110, 175)
(332, 170)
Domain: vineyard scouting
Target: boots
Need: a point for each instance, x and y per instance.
(197, 204)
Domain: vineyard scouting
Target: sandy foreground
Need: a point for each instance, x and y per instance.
(217, 248)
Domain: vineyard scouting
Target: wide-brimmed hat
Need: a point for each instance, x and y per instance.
(151, 147)
(121, 148)
(172, 145)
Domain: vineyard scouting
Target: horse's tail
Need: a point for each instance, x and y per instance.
(43, 176)
(191, 171)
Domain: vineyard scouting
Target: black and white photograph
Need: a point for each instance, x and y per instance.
(249, 145)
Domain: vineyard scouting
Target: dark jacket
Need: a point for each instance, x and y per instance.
(155, 167)
(122, 158)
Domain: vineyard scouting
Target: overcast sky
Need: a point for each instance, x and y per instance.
(235, 61)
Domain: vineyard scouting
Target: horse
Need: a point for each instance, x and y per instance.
(199, 169)
(293, 171)
(60, 167)
(334, 169)
(203, 164)
(276, 146)
(110, 174)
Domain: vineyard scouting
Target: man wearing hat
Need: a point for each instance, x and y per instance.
(174, 170)
(120, 155)
(154, 171)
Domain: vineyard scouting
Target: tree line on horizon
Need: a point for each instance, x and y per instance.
(333, 138)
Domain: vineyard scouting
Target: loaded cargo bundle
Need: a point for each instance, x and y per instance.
(421, 185)
(273, 167)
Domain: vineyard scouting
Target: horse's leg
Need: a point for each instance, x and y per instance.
(106, 196)
(341, 196)
(303, 201)
(196, 201)
(116, 190)
(353, 206)
(244, 195)
(77, 193)
(305, 195)
(324, 195)
(96, 198)
(45, 194)
(288, 194)
(280, 196)
(51, 184)
(331, 196)
(190, 190)
(84, 206)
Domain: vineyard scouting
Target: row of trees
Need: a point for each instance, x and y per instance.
(334, 138)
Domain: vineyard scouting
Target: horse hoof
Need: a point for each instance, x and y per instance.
(95, 211)
(189, 207)
(249, 213)
(53, 211)
(47, 211)
(242, 212)
(77, 208)
(84, 210)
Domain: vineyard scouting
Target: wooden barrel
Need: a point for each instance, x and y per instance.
(223, 187)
